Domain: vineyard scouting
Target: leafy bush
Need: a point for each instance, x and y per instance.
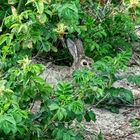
(29, 27)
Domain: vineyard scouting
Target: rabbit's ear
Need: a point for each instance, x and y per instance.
(79, 46)
(73, 49)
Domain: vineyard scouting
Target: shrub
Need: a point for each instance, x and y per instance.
(33, 26)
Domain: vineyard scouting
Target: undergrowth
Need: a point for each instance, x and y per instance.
(29, 27)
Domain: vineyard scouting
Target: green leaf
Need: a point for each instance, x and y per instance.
(135, 79)
(77, 107)
(30, 1)
(61, 113)
(25, 14)
(100, 136)
(88, 119)
(59, 134)
(2, 86)
(94, 46)
(69, 13)
(23, 27)
(53, 106)
(19, 115)
(135, 123)
(9, 39)
(5, 50)
(64, 88)
(40, 6)
(3, 38)
(54, 49)
(83, 76)
(36, 68)
(42, 18)
(12, 2)
(7, 124)
(121, 95)
(79, 118)
(92, 116)
(66, 136)
(112, 108)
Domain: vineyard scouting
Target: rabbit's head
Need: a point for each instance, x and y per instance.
(76, 49)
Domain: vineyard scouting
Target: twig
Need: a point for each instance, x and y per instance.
(133, 106)
(137, 62)
(38, 53)
(32, 105)
(101, 100)
(131, 133)
(3, 21)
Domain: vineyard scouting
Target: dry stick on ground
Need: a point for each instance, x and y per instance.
(132, 106)
(127, 135)
(101, 100)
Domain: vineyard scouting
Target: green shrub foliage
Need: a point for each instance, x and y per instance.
(28, 27)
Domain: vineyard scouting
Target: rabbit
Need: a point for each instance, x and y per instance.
(137, 31)
(53, 73)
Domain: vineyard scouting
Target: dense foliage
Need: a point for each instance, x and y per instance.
(30, 27)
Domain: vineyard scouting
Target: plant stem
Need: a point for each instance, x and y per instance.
(21, 5)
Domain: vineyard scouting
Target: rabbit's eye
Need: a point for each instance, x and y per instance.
(85, 63)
